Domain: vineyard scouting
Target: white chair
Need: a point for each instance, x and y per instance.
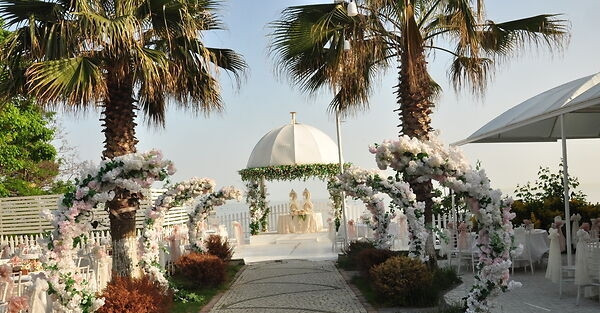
(463, 252)
(567, 275)
(523, 238)
(336, 237)
(237, 233)
(593, 268)
(3, 291)
(21, 283)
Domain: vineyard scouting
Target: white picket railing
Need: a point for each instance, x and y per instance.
(21, 223)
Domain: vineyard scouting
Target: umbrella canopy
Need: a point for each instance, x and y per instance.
(293, 144)
(571, 110)
(538, 118)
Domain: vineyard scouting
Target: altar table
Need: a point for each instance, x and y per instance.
(288, 224)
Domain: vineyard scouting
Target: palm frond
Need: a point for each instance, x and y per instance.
(308, 44)
(74, 81)
(19, 12)
(230, 61)
(508, 37)
(116, 35)
(471, 71)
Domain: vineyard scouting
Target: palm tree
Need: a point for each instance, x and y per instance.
(308, 44)
(123, 56)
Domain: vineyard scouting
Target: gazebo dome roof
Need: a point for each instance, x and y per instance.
(293, 144)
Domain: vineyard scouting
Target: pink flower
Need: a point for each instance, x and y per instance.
(5, 271)
(15, 260)
(93, 185)
(585, 226)
(171, 169)
(153, 215)
(17, 304)
(473, 204)
(373, 149)
(440, 178)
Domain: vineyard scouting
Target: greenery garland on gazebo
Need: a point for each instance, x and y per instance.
(257, 194)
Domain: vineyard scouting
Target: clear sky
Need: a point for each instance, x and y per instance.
(219, 145)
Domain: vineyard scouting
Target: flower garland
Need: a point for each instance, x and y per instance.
(73, 221)
(291, 172)
(423, 160)
(256, 198)
(177, 195)
(204, 206)
(259, 210)
(336, 202)
(364, 185)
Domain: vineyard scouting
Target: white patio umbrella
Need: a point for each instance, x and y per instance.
(571, 110)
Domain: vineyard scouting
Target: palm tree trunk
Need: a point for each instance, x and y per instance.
(413, 94)
(119, 131)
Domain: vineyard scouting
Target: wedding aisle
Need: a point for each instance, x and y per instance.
(289, 286)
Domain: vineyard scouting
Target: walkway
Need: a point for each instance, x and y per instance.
(538, 295)
(289, 286)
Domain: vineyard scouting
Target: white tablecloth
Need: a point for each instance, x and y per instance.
(538, 244)
(288, 224)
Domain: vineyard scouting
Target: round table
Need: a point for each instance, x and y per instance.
(289, 224)
(538, 244)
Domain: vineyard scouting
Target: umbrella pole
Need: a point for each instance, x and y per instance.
(566, 187)
(339, 143)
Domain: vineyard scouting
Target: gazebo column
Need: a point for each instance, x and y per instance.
(264, 228)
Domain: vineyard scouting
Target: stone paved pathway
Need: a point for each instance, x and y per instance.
(289, 286)
(538, 295)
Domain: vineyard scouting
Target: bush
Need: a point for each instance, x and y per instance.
(219, 248)
(200, 269)
(368, 258)
(125, 294)
(445, 278)
(404, 281)
(352, 251)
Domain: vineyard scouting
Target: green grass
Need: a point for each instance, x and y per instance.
(366, 290)
(191, 300)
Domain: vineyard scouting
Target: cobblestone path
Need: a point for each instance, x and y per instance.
(289, 286)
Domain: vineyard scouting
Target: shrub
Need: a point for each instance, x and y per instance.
(445, 278)
(141, 295)
(368, 258)
(352, 251)
(404, 281)
(200, 269)
(219, 248)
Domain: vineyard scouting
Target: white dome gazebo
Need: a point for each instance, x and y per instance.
(290, 152)
(293, 144)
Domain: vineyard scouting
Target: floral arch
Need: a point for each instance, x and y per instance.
(424, 160)
(256, 195)
(74, 219)
(179, 194)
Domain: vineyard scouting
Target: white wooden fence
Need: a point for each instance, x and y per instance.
(21, 215)
(21, 223)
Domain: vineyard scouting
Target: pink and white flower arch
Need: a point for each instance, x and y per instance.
(424, 160)
(203, 207)
(177, 195)
(73, 221)
(365, 185)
